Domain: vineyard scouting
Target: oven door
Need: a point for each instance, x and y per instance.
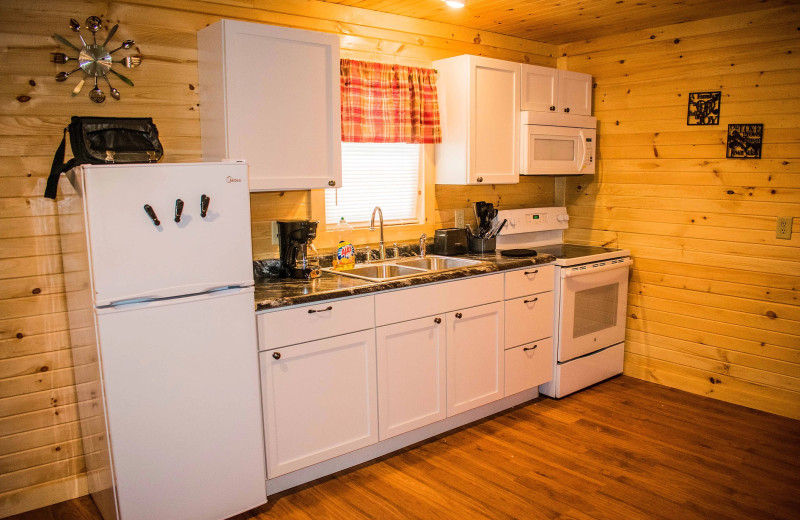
(592, 313)
(553, 150)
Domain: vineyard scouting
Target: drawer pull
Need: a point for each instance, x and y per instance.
(525, 349)
(437, 320)
(458, 315)
(328, 308)
(526, 273)
(530, 301)
(276, 355)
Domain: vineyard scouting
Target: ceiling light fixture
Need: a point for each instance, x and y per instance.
(458, 4)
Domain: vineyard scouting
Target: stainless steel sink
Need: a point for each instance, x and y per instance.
(381, 271)
(404, 268)
(437, 263)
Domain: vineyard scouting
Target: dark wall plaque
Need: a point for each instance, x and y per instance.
(744, 141)
(703, 108)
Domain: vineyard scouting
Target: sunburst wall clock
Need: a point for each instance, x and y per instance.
(94, 60)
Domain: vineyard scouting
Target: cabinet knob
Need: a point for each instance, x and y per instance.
(437, 320)
(525, 349)
(479, 179)
(566, 110)
(276, 355)
(552, 108)
(530, 301)
(331, 183)
(458, 315)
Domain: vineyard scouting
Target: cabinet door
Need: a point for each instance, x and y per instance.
(475, 367)
(539, 88)
(494, 122)
(411, 375)
(319, 400)
(283, 107)
(574, 93)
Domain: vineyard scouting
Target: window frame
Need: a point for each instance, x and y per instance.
(326, 236)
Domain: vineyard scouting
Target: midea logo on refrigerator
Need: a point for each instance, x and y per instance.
(230, 179)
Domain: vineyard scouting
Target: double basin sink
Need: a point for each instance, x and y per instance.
(404, 267)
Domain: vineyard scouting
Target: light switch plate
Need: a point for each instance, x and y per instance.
(275, 239)
(459, 218)
(784, 228)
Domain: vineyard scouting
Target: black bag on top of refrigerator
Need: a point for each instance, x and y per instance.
(105, 140)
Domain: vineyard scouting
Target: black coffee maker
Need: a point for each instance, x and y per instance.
(296, 238)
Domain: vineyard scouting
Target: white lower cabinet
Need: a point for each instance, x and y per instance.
(320, 400)
(411, 375)
(340, 375)
(528, 365)
(529, 322)
(529, 318)
(475, 359)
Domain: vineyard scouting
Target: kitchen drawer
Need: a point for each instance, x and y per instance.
(531, 280)
(427, 300)
(315, 321)
(529, 318)
(528, 366)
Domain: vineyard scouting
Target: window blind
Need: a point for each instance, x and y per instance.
(376, 174)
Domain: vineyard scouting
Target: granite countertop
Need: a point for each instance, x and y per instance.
(272, 292)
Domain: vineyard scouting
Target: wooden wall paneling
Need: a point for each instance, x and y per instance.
(38, 428)
(714, 304)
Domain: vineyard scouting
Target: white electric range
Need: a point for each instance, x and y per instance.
(591, 290)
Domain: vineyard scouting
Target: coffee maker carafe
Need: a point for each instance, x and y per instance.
(296, 238)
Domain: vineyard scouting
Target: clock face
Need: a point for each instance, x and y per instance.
(94, 59)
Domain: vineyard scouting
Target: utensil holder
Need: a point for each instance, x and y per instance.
(482, 245)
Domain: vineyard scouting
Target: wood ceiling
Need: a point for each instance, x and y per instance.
(565, 21)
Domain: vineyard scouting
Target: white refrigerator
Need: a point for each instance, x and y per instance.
(159, 282)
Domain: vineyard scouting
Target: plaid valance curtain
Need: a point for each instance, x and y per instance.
(385, 103)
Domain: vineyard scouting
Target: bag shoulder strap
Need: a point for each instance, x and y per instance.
(57, 168)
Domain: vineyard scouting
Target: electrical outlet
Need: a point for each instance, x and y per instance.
(275, 239)
(459, 218)
(784, 228)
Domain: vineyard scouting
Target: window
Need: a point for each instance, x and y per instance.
(377, 174)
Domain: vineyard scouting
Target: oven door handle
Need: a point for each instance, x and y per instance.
(567, 272)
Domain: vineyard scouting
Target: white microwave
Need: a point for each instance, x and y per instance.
(557, 144)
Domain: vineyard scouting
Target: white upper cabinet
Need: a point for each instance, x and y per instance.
(552, 90)
(479, 104)
(270, 95)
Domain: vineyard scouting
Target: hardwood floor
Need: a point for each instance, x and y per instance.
(621, 449)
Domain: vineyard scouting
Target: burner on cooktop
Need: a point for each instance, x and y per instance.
(518, 253)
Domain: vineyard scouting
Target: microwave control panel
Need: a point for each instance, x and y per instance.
(589, 144)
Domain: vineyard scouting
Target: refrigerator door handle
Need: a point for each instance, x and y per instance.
(177, 293)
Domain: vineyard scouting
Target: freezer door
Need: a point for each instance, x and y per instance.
(133, 257)
(181, 388)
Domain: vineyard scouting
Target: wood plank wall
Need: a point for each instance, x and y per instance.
(713, 302)
(41, 460)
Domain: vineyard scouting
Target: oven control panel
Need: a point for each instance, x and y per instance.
(532, 220)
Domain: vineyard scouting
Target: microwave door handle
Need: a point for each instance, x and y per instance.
(582, 138)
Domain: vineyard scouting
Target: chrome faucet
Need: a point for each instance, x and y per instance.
(381, 247)
(422, 245)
